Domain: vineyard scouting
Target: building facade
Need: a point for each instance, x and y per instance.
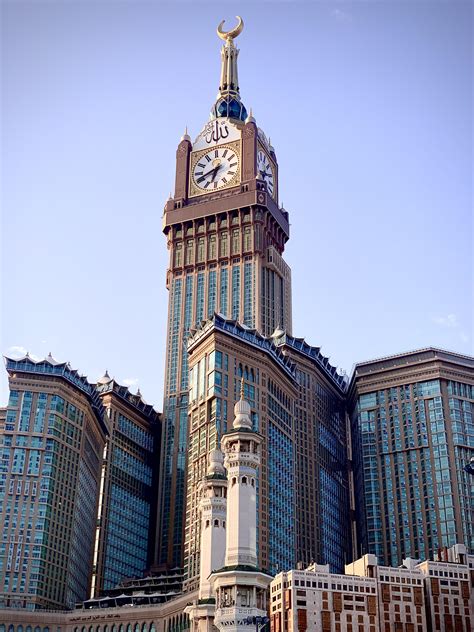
(321, 456)
(128, 491)
(413, 597)
(226, 233)
(222, 353)
(52, 445)
(412, 436)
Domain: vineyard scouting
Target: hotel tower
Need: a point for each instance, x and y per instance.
(226, 233)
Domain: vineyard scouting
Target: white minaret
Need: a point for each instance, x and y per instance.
(240, 587)
(213, 491)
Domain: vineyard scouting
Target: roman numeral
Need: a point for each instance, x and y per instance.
(233, 164)
(216, 153)
(201, 179)
(198, 173)
(206, 185)
(207, 158)
(231, 173)
(200, 164)
(215, 185)
(224, 180)
(225, 153)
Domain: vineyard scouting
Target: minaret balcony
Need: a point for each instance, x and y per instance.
(242, 459)
(237, 616)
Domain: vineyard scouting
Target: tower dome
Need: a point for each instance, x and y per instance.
(242, 411)
(105, 379)
(216, 463)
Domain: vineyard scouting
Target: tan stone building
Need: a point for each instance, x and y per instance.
(449, 588)
(415, 597)
(317, 600)
(400, 593)
(52, 444)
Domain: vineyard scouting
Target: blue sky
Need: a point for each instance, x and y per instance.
(368, 106)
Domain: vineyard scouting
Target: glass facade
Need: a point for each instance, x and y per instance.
(213, 268)
(415, 439)
(49, 475)
(215, 383)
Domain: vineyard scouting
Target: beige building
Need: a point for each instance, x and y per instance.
(449, 591)
(168, 617)
(415, 597)
(400, 595)
(317, 600)
(52, 443)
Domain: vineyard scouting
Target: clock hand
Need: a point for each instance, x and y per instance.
(216, 169)
(204, 176)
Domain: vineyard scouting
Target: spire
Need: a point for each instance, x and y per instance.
(228, 102)
(185, 136)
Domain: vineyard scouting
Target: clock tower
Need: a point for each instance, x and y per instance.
(226, 233)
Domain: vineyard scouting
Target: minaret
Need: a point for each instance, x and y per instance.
(213, 492)
(240, 587)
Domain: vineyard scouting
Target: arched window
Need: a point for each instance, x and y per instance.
(37, 629)
(136, 628)
(129, 627)
(234, 481)
(244, 480)
(207, 523)
(97, 628)
(152, 627)
(223, 523)
(19, 628)
(144, 628)
(2, 627)
(11, 628)
(216, 523)
(252, 481)
(28, 628)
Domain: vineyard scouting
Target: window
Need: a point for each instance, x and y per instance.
(224, 245)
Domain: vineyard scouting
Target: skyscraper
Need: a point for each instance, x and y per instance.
(226, 234)
(321, 463)
(413, 435)
(129, 481)
(51, 455)
(223, 355)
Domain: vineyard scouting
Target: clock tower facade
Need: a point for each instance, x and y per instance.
(226, 234)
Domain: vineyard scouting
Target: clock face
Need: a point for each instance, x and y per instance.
(265, 171)
(217, 168)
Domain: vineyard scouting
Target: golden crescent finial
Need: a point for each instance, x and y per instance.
(229, 35)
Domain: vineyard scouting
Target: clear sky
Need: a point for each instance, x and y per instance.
(368, 106)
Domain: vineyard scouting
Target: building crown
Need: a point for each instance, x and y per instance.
(228, 102)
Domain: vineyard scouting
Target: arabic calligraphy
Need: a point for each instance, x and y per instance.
(215, 132)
